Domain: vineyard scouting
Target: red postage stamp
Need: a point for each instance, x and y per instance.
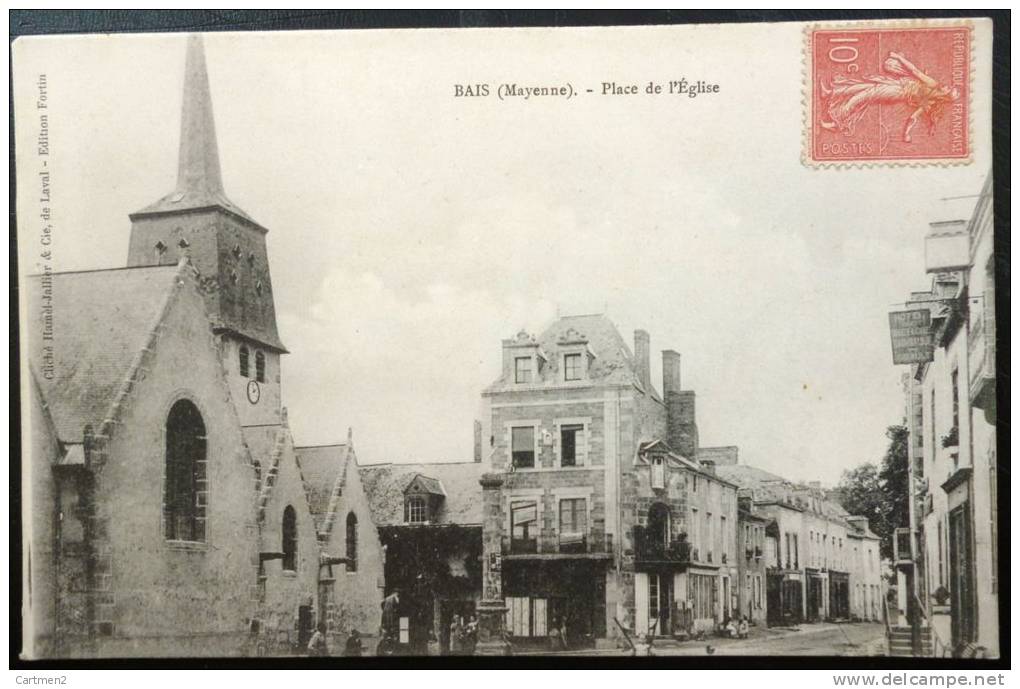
(897, 94)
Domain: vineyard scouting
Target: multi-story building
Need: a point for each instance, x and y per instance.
(752, 561)
(815, 555)
(608, 519)
(951, 408)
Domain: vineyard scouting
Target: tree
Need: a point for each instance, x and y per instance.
(880, 493)
(895, 480)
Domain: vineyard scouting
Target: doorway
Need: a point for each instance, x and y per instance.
(660, 603)
(961, 582)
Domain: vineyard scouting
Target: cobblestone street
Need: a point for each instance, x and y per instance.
(864, 639)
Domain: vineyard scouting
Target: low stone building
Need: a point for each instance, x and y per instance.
(429, 519)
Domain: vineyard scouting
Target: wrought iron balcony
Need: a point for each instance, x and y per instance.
(563, 545)
(981, 352)
(651, 548)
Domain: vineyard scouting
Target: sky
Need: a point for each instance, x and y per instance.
(410, 230)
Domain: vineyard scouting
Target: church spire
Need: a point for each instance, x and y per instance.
(199, 183)
(199, 159)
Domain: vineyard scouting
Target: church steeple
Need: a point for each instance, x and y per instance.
(226, 247)
(198, 166)
(199, 182)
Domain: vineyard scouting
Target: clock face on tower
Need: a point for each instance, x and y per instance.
(253, 391)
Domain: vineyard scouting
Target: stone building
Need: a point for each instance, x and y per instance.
(951, 412)
(429, 519)
(751, 560)
(166, 512)
(608, 519)
(821, 562)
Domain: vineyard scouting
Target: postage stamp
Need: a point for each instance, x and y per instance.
(897, 94)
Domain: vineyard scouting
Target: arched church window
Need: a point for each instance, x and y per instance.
(352, 542)
(242, 360)
(289, 539)
(260, 366)
(183, 508)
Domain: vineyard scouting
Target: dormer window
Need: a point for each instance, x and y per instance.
(659, 472)
(573, 367)
(423, 499)
(523, 369)
(416, 509)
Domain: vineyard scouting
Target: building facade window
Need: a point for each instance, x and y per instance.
(183, 511)
(573, 533)
(522, 441)
(954, 379)
(260, 366)
(416, 509)
(523, 371)
(242, 361)
(524, 526)
(352, 542)
(289, 539)
(658, 472)
(572, 367)
(571, 436)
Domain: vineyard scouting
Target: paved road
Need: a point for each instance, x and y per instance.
(809, 639)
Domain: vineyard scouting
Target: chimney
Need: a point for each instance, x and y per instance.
(681, 428)
(508, 359)
(478, 440)
(642, 358)
(670, 372)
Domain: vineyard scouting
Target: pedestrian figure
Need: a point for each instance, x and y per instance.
(318, 645)
(743, 629)
(353, 648)
(456, 636)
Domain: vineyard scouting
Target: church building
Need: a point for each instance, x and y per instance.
(168, 511)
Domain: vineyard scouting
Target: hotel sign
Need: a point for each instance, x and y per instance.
(912, 339)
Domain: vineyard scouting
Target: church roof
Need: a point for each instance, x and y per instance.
(612, 363)
(324, 469)
(385, 484)
(99, 322)
(199, 182)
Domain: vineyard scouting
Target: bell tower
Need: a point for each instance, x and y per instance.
(226, 247)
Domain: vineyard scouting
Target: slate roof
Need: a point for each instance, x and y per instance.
(613, 362)
(758, 480)
(384, 486)
(769, 487)
(101, 321)
(324, 470)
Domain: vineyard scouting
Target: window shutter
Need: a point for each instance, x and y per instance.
(640, 603)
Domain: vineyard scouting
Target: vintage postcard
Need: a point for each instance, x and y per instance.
(605, 341)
